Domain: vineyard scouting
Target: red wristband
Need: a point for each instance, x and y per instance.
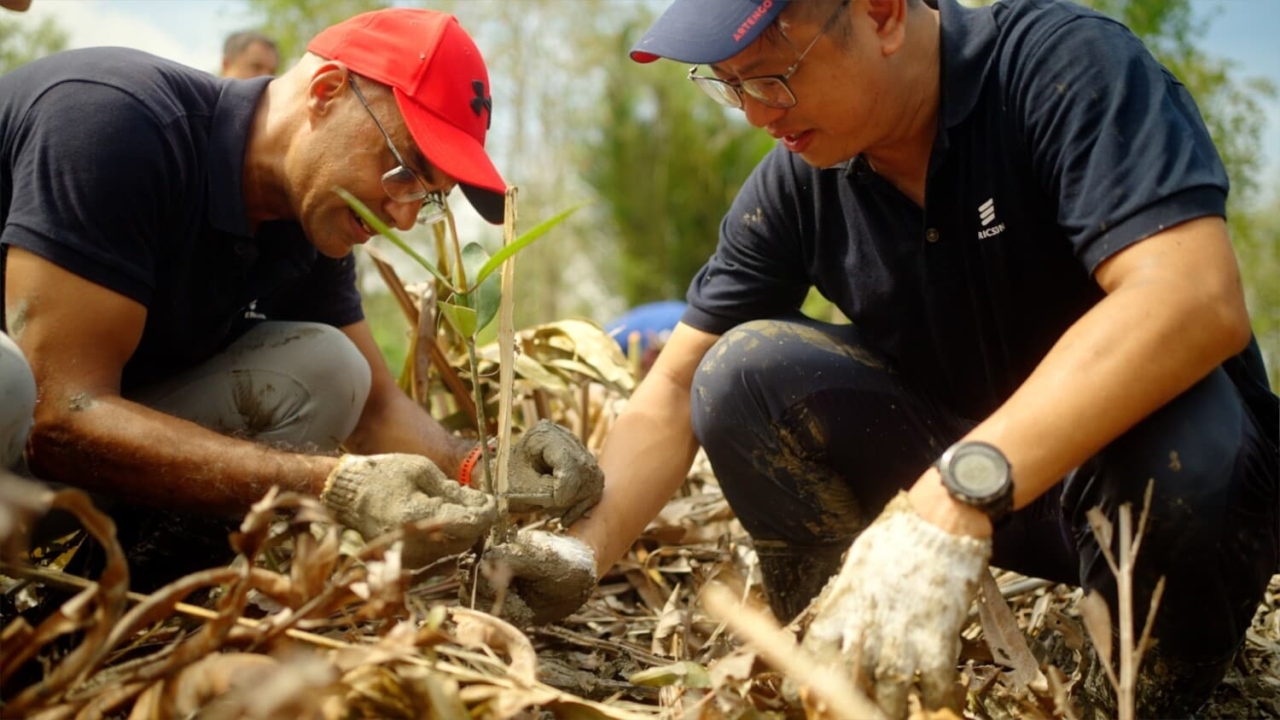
(469, 462)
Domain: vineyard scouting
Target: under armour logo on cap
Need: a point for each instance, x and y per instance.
(480, 102)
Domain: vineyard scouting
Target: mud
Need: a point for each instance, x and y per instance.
(277, 340)
(779, 330)
(576, 555)
(16, 321)
(753, 218)
(794, 575)
(80, 402)
(258, 415)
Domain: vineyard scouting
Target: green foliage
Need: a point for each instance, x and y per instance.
(1232, 110)
(292, 23)
(1230, 104)
(470, 300)
(1259, 252)
(668, 162)
(23, 40)
(386, 322)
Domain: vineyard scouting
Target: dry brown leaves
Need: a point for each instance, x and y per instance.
(308, 623)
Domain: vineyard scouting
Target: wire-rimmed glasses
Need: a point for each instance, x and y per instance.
(402, 184)
(769, 90)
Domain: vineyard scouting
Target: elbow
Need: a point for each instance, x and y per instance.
(1224, 319)
(56, 439)
(1237, 333)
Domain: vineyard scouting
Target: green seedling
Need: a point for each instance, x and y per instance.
(471, 299)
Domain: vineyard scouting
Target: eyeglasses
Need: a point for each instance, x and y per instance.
(402, 184)
(769, 90)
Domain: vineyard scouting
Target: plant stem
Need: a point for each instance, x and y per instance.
(502, 530)
(482, 422)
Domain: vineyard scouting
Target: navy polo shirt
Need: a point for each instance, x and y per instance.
(1060, 142)
(126, 170)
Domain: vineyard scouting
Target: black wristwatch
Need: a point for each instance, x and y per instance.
(978, 474)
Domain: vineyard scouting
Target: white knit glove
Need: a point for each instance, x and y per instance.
(374, 494)
(897, 608)
(547, 577)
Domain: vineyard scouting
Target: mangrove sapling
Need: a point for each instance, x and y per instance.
(471, 298)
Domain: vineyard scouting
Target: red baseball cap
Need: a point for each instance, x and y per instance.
(440, 83)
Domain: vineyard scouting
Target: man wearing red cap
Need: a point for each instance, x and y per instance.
(1022, 214)
(178, 274)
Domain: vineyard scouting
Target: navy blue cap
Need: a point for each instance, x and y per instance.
(706, 31)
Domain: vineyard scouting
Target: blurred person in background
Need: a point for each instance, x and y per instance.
(249, 54)
(646, 328)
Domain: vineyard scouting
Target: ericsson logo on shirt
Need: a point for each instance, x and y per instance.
(987, 214)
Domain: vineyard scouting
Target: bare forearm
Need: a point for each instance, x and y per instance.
(1174, 312)
(1113, 368)
(397, 424)
(645, 459)
(392, 422)
(129, 451)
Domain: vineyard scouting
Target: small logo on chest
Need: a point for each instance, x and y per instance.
(987, 215)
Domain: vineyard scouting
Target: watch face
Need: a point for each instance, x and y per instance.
(980, 473)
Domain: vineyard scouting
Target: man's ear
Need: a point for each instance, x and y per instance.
(890, 18)
(328, 81)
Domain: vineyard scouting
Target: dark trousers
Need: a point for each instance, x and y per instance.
(810, 433)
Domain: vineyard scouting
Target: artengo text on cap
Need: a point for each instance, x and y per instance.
(761, 9)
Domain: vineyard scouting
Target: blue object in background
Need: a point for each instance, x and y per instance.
(654, 321)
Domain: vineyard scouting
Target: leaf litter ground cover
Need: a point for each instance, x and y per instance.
(309, 622)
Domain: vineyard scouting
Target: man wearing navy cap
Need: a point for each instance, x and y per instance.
(1022, 214)
(177, 272)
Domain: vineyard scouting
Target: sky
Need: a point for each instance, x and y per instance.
(191, 31)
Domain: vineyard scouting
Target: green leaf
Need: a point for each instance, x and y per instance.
(520, 243)
(463, 319)
(474, 257)
(487, 297)
(688, 674)
(381, 228)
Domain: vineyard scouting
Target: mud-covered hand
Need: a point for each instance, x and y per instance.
(552, 470)
(546, 577)
(897, 608)
(374, 494)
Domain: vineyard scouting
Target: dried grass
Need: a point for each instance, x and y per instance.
(309, 622)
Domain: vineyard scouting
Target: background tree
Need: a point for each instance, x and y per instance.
(1232, 109)
(292, 23)
(575, 119)
(666, 162)
(23, 40)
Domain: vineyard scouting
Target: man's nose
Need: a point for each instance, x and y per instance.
(403, 214)
(759, 114)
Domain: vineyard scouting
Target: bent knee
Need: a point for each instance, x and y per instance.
(308, 382)
(319, 357)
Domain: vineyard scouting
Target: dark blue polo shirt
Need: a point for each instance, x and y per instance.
(1060, 142)
(126, 170)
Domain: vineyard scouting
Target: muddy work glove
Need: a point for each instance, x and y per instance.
(374, 494)
(897, 608)
(552, 470)
(540, 577)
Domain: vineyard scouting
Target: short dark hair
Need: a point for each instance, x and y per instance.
(237, 42)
